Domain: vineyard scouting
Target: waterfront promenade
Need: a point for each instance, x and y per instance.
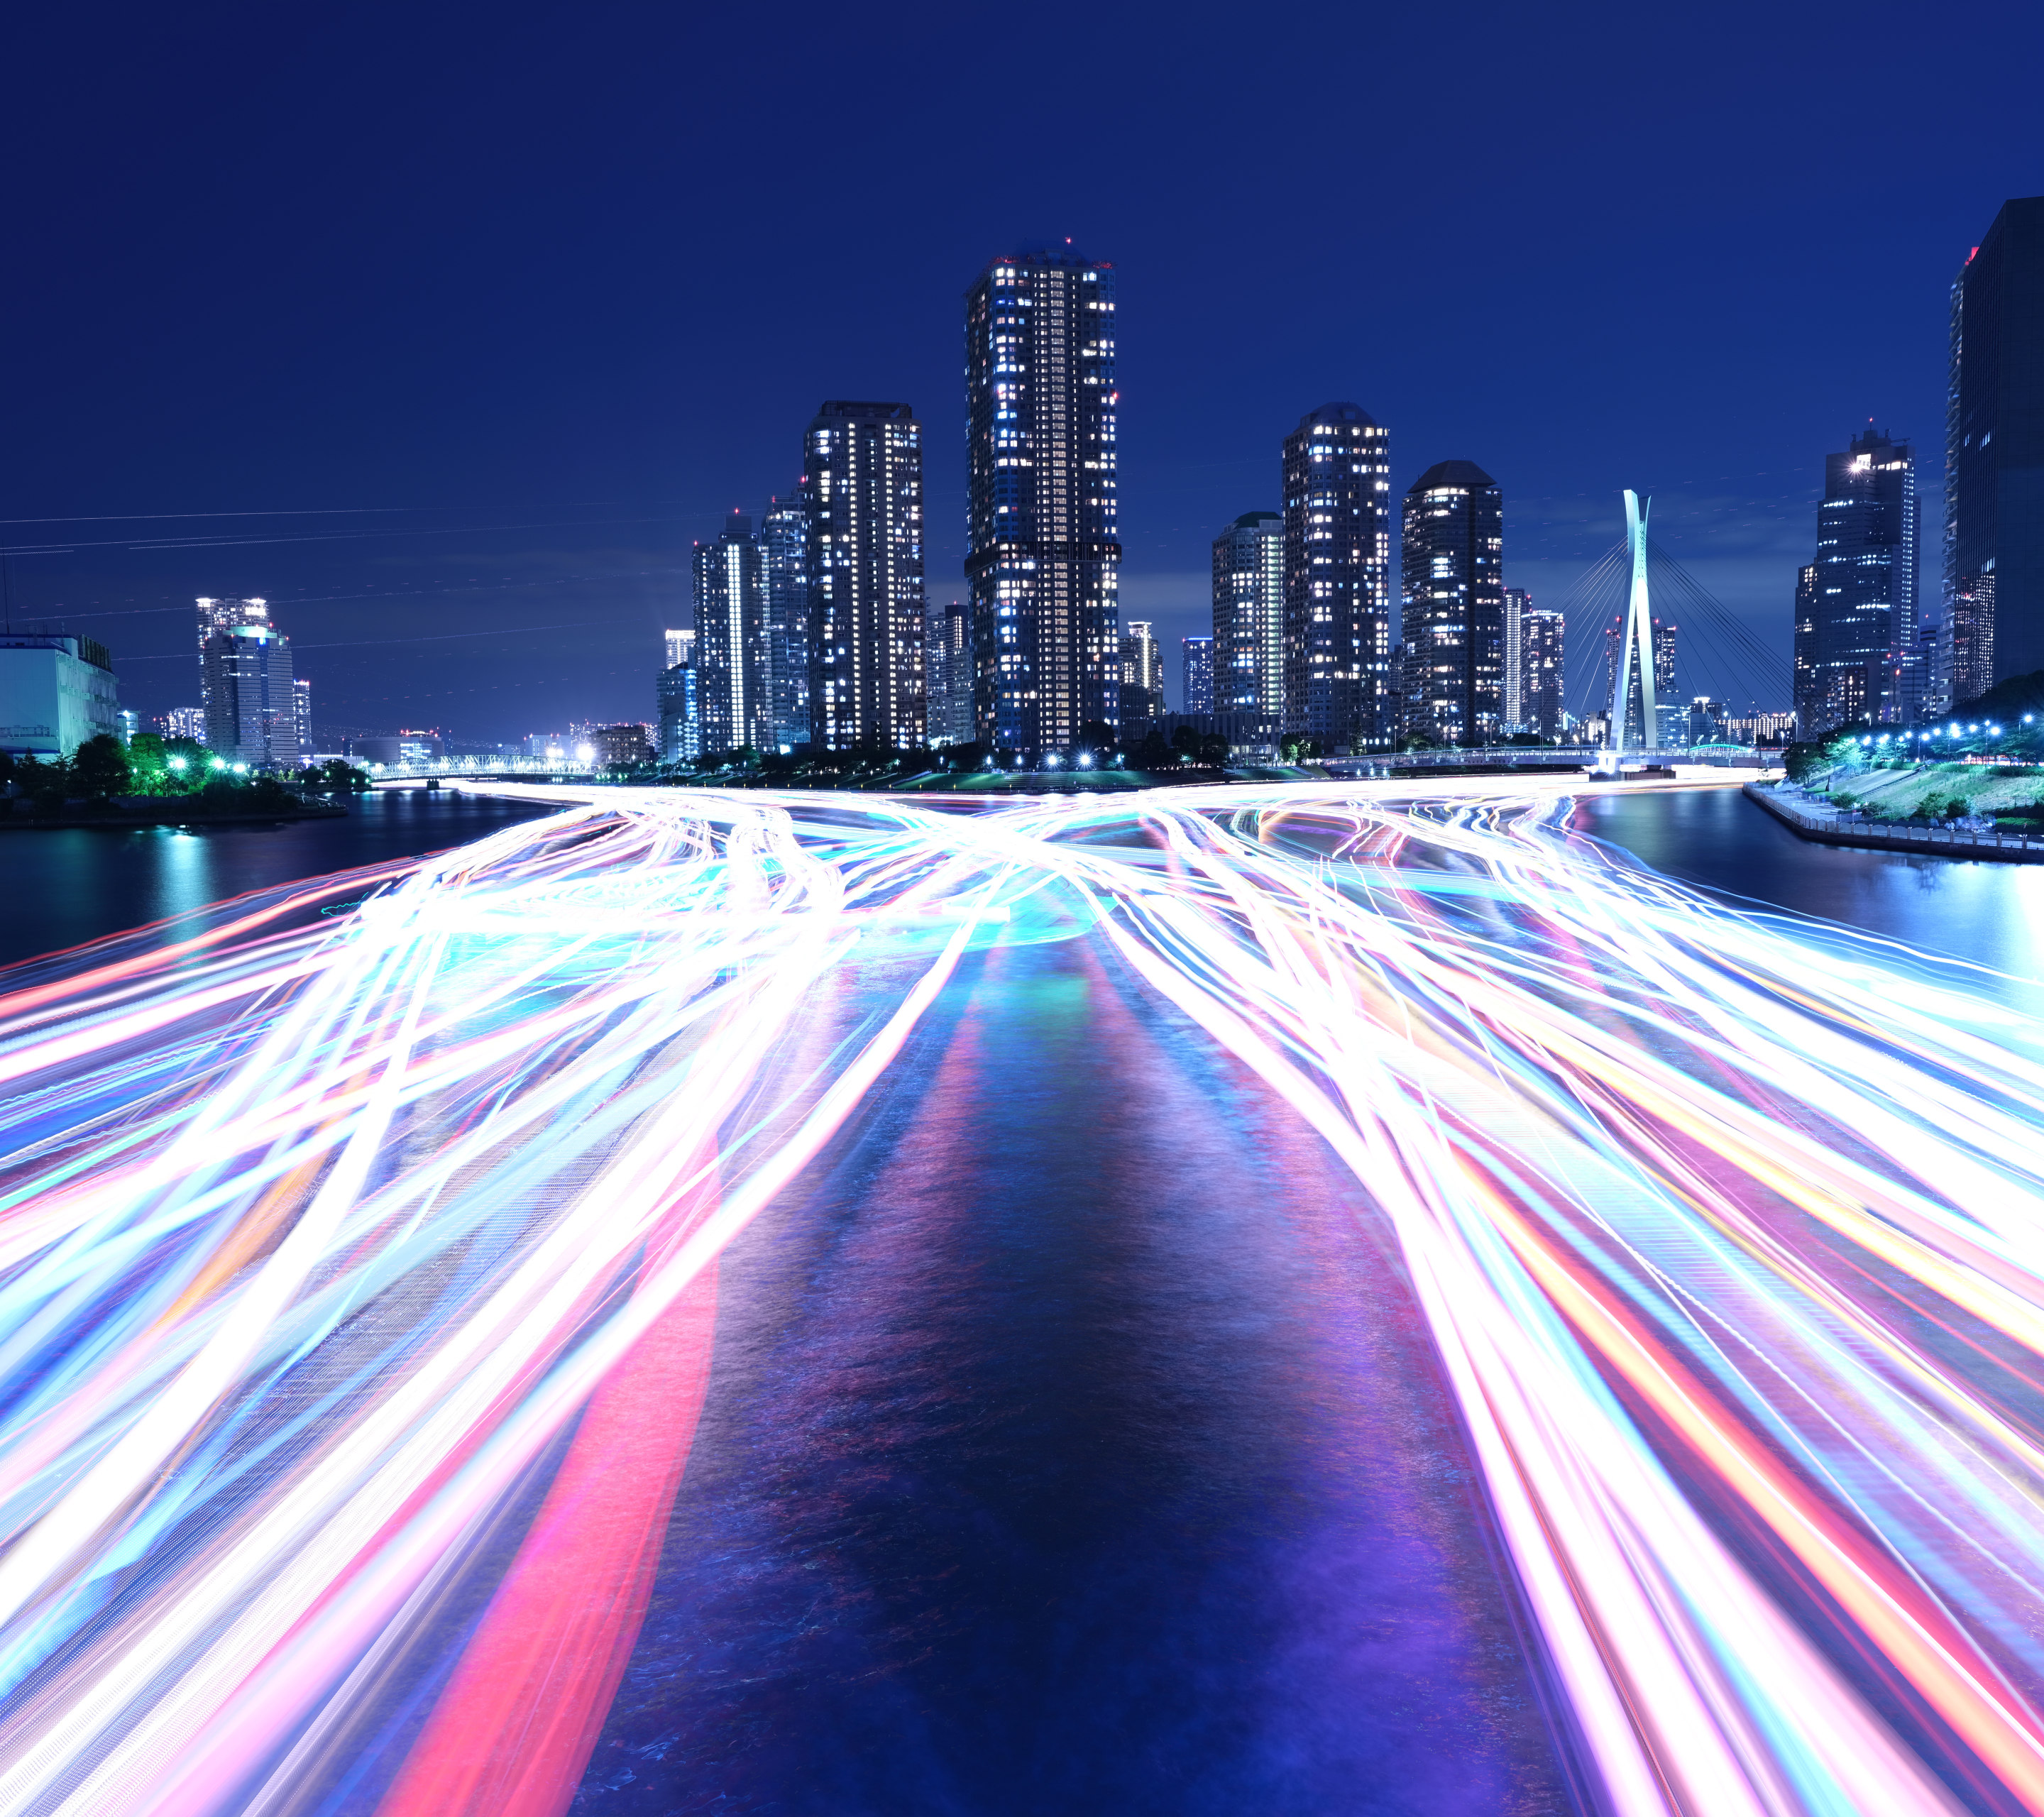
(1814, 818)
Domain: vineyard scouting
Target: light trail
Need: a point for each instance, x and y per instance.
(337, 1254)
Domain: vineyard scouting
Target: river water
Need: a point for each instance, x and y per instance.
(1073, 1442)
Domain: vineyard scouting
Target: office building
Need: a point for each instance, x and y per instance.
(863, 490)
(1043, 554)
(678, 737)
(734, 711)
(1994, 454)
(185, 722)
(1199, 670)
(1856, 627)
(947, 671)
(56, 691)
(252, 707)
(1453, 551)
(1249, 614)
(1964, 663)
(302, 699)
(784, 550)
(216, 616)
(1543, 667)
(1337, 482)
(1141, 674)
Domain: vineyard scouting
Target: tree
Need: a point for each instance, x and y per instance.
(1186, 743)
(99, 768)
(1213, 750)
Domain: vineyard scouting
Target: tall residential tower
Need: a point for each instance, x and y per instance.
(733, 706)
(1452, 556)
(1043, 551)
(1337, 479)
(1249, 614)
(863, 483)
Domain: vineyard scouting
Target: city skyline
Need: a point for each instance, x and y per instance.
(1685, 336)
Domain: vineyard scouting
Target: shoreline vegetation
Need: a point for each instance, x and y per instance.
(153, 781)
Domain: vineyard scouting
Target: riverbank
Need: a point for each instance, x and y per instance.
(1811, 817)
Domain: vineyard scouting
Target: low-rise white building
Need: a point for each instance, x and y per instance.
(55, 692)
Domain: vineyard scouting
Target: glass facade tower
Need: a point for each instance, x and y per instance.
(732, 705)
(1043, 554)
(1337, 482)
(1453, 551)
(863, 483)
(1856, 654)
(1249, 614)
(1994, 456)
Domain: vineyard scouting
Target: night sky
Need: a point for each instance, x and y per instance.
(449, 329)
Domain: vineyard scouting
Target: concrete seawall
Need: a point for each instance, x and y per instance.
(1830, 829)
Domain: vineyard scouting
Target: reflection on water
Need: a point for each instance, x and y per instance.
(65, 886)
(1988, 914)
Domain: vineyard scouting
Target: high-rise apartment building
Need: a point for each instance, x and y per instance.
(1337, 482)
(1249, 614)
(1142, 673)
(1808, 687)
(1855, 649)
(947, 670)
(251, 708)
(733, 707)
(1994, 452)
(679, 643)
(302, 699)
(1199, 660)
(784, 547)
(1516, 601)
(185, 722)
(1544, 668)
(862, 486)
(1043, 554)
(1453, 551)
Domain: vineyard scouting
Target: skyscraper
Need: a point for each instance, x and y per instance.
(1543, 665)
(1517, 600)
(217, 615)
(301, 701)
(784, 547)
(251, 709)
(1249, 614)
(1453, 559)
(1853, 658)
(1337, 478)
(1808, 682)
(1142, 672)
(947, 671)
(1043, 557)
(1198, 657)
(732, 706)
(1994, 445)
(679, 734)
(862, 486)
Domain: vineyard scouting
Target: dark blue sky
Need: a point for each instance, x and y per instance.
(535, 296)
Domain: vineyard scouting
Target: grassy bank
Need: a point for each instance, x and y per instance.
(2010, 792)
